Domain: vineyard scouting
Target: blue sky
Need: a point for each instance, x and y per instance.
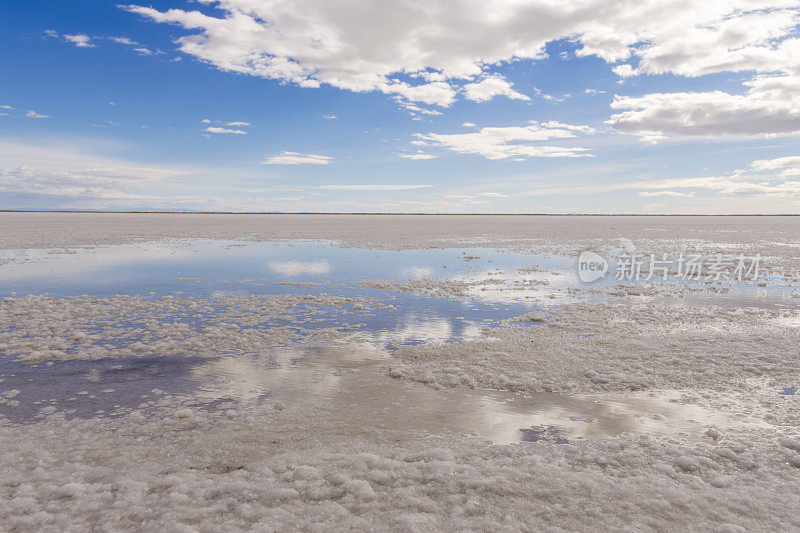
(322, 105)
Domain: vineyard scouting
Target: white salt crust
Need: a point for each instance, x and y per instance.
(170, 465)
(183, 469)
(41, 328)
(591, 347)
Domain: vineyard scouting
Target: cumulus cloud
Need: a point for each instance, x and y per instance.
(450, 47)
(80, 40)
(778, 163)
(770, 106)
(34, 114)
(296, 158)
(519, 142)
(489, 87)
(216, 129)
(726, 37)
(758, 37)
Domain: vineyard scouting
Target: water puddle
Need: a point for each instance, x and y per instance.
(351, 385)
(349, 380)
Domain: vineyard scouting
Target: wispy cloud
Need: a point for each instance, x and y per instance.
(666, 194)
(218, 130)
(69, 171)
(225, 127)
(419, 156)
(373, 187)
(34, 114)
(124, 40)
(296, 158)
(518, 142)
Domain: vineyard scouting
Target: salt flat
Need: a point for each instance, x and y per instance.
(391, 372)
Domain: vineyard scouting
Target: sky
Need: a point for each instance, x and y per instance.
(453, 106)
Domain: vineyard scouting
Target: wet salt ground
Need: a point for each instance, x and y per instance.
(335, 377)
(350, 385)
(203, 268)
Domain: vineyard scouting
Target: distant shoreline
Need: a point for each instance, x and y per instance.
(396, 214)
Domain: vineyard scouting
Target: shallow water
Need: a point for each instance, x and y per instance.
(352, 385)
(349, 380)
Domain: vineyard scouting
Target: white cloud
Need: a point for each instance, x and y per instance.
(6, 107)
(373, 187)
(624, 71)
(451, 46)
(770, 106)
(65, 170)
(670, 194)
(740, 36)
(329, 116)
(34, 114)
(420, 155)
(105, 124)
(517, 142)
(436, 93)
(237, 123)
(469, 125)
(773, 164)
(413, 109)
(489, 87)
(215, 129)
(80, 40)
(737, 184)
(124, 40)
(295, 158)
(493, 195)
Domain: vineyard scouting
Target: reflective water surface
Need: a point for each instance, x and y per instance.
(350, 379)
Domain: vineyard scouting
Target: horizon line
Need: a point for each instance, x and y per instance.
(371, 213)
